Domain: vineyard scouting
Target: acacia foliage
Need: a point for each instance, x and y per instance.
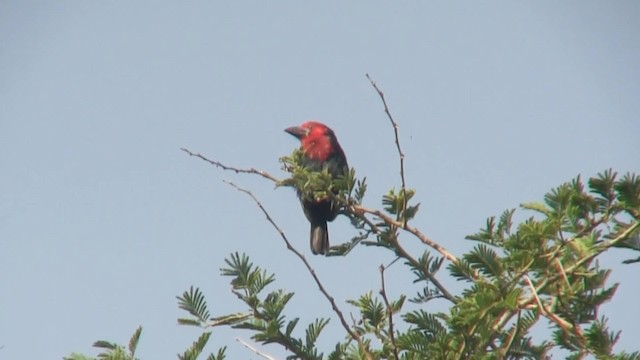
(542, 270)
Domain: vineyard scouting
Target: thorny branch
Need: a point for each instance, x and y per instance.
(408, 228)
(404, 224)
(395, 132)
(359, 211)
(383, 293)
(354, 335)
(262, 173)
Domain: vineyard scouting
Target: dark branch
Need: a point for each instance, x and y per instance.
(262, 173)
(395, 131)
(410, 229)
(383, 293)
(290, 247)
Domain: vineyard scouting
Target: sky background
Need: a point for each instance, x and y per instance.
(103, 220)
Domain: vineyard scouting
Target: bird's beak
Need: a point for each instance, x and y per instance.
(297, 131)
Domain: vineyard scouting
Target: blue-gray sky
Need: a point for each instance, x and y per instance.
(103, 220)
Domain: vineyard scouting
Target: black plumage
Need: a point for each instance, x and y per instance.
(321, 150)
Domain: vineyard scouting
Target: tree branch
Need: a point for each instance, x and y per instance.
(395, 131)
(383, 293)
(253, 349)
(262, 173)
(410, 229)
(352, 334)
(566, 326)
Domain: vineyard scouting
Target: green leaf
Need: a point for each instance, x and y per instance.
(193, 301)
(360, 190)
(133, 342)
(189, 322)
(495, 234)
(411, 211)
(426, 322)
(512, 298)
(537, 207)
(290, 326)
(313, 331)
(76, 356)
(485, 260)
(246, 277)
(396, 305)
(602, 185)
(372, 310)
(196, 348)
(628, 193)
(600, 339)
(105, 345)
(461, 270)
(219, 356)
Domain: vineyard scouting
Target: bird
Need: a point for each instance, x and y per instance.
(320, 149)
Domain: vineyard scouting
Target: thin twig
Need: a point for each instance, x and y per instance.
(383, 293)
(290, 247)
(404, 224)
(564, 274)
(262, 173)
(253, 349)
(508, 343)
(562, 323)
(406, 227)
(395, 132)
(358, 211)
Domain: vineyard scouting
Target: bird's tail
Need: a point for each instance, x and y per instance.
(319, 238)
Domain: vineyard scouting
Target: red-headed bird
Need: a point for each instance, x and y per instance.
(320, 149)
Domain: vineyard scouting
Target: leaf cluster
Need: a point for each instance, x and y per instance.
(113, 351)
(543, 270)
(346, 191)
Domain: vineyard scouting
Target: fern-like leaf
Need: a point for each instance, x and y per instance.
(485, 260)
(196, 348)
(313, 332)
(193, 301)
(133, 342)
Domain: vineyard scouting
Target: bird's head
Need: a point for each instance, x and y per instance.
(316, 139)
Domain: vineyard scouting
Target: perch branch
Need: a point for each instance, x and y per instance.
(290, 247)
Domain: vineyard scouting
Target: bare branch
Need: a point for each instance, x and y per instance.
(412, 230)
(383, 293)
(262, 173)
(253, 349)
(290, 247)
(395, 132)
